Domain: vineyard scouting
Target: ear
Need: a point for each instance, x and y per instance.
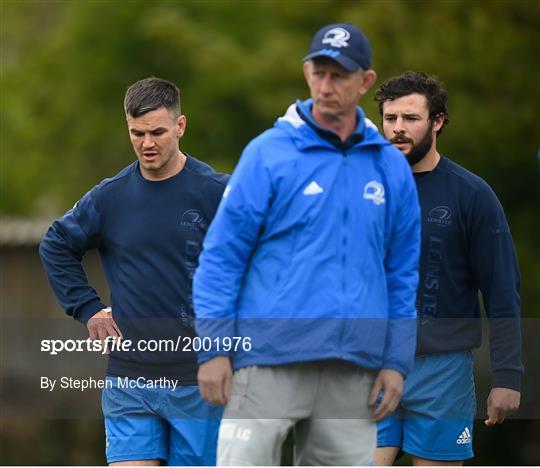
(438, 122)
(368, 80)
(307, 69)
(181, 126)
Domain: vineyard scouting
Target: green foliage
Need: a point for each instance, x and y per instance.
(66, 66)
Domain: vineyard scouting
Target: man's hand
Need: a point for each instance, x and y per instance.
(391, 384)
(215, 380)
(500, 402)
(101, 325)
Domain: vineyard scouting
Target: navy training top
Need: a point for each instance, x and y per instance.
(467, 247)
(149, 235)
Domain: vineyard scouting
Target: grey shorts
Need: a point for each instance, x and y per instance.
(325, 402)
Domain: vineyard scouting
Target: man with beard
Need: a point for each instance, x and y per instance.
(466, 248)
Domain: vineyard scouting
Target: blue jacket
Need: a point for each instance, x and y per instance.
(313, 253)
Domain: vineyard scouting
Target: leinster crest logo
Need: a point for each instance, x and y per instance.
(192, 219)
(374, 191)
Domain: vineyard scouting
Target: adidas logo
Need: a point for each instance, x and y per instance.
(313, 189)
(465, 437)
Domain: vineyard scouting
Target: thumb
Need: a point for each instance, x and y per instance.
(492, 417)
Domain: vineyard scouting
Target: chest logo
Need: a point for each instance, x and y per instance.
(374, 191)
(441, 216)
(192, 219)
(313, 189)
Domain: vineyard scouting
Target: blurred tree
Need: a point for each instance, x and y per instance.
(66, 65)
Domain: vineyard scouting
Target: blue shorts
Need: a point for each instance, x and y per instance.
(434, 419)
(143, 423)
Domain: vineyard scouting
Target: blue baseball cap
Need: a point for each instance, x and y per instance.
(344, 43)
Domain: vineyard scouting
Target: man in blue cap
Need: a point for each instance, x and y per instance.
(312, 261)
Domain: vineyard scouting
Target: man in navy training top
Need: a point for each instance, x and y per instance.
(313, 256)
(148, 222)
(466, 247)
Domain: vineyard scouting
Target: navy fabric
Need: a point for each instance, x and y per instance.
(313, 253)
(344, 43)
(149, 235)
(467, 247)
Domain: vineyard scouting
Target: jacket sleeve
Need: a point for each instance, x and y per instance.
(496, 270)
(227, 249)
(62, 250)
(401, 265)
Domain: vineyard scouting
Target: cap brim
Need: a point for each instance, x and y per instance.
(345, 62)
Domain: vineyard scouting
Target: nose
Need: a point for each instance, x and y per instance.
(326, 85)
(398, 126)
(148, 141)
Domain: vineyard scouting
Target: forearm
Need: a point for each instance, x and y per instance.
(505, 352)
(62, 264)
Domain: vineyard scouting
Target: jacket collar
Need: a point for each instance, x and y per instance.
(298, 121)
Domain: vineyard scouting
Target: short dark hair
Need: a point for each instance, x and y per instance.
(150, 94)
(416, 82)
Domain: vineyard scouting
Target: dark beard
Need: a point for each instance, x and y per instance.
(419, 151)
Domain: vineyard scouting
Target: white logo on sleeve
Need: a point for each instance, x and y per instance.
(226, 191)
(374, 191)
(337, 37)
(465, 437)
(313, 189)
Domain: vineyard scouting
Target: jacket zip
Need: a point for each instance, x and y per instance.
(344, 242)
